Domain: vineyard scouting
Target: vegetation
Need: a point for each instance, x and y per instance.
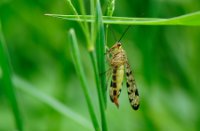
(53, 71)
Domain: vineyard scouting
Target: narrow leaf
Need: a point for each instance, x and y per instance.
(83, 25)
(100, 53)
(29, 89)
(191, 19)
(79, 69)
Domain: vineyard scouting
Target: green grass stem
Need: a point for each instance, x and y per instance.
(6, 82)
(100, 53)
(81, 75)
(109, 12)
(84, 26)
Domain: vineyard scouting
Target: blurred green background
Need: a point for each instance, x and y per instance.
(165, 60)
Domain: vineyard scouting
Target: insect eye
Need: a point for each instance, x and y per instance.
(118, 45)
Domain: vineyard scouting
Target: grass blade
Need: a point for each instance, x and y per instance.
(29, 89)
(84, 25)
(6, 82)
(79, 70)
(69, 2)
(191, 19)
(100, 53)
(110, 11)
(110, 8)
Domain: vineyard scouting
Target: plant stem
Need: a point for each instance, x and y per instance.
(100, 92)
(79, 69)
(6, 82)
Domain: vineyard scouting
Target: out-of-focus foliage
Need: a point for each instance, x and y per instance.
(165, 60)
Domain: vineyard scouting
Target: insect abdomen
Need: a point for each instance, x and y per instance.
(116, 83)
(132, 89)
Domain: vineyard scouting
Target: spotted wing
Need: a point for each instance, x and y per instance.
(131, 87)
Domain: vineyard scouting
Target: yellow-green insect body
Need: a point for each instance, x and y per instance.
(116, 83)
(117, 59)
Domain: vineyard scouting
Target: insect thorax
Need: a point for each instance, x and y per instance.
(118, 59)
(116, 55)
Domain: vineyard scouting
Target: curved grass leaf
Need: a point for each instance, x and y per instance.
(191, 19)
(29, 89)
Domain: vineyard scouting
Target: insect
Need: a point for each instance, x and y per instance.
(119, 64)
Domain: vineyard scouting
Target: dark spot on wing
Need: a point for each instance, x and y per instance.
(127, 84)
(127, 74)
(135, 107)
(136, 92)
(129, 92)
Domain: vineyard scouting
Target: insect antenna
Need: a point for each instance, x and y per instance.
(113, 33)
(124, 33)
